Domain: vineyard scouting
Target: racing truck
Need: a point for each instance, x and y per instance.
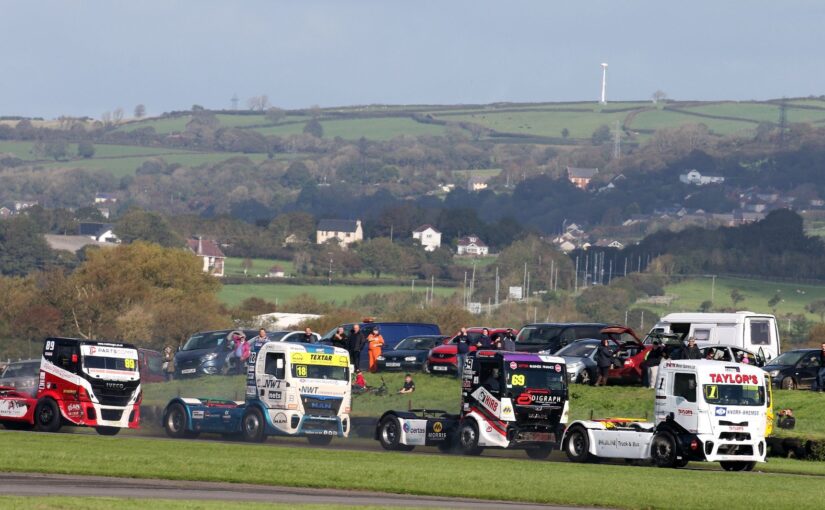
(508, 400)
(704, 411)
(81, 382)
(292, 389)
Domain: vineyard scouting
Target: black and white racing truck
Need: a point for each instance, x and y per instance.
(704, 411)
(508, 400)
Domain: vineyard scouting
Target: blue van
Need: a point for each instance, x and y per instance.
(393, 333)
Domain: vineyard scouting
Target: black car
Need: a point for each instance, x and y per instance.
(794, 369)
(410, 354)
(207, 353)
(551, 337)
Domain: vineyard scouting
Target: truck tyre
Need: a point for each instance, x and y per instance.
(540, 453)
(253, 426)
(663, 450)
(468, 438)
(733, 465)
(47, 416)
(175, 422)
(319, 440)
(788, 383)
(107, 431)
(577, 445)
(389, 435)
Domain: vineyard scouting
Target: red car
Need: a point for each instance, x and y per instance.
(630, 351)
(16, 408)
(444, 358)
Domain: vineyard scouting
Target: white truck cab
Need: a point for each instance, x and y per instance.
(704, 411)
(755, 332)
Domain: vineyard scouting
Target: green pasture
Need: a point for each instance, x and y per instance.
(659, 119)
(232, 295)
(692, 292)
(122, 166)
(542, 123)
(162, 125)
(378, 128)
(609, 484)
(233, 266)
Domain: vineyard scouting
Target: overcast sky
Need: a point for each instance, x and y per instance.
(84, 57)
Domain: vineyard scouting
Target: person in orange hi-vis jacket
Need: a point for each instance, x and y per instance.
(375, 342)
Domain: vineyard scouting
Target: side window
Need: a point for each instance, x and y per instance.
(760, 332)
(810, 361)
(66, 356)
(155, 364)
(684, 385)
(701, 335)
(569, 335)
(274, 365)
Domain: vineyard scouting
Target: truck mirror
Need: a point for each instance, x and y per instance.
(279, 364)
(74, 358)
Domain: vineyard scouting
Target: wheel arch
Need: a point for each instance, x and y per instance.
(586, 427)
(404, 415)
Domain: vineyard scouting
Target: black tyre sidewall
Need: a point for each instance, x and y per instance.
(385, 423)
(258, 436)
(179, 410)
(56, 421)
(573, 457)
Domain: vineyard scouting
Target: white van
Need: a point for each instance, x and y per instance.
(751, 331)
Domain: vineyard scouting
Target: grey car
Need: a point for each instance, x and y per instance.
(22, 375)
(579, 358)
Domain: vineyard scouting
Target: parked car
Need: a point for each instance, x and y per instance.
(580, 356)
(291, 336)
(729, 354)
(551, 337)
(580, 359)
(795, 369)
(444, 358)
(22, 376)
(410, 354)
(151, 366)
(393, 332)
(207, 353)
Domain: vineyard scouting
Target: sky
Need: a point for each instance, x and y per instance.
(76, 57)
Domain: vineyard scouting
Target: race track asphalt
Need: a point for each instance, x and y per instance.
(26, 484)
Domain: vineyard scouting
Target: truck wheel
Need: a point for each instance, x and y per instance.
(107, 431)
(319, 440)
(733, 465)
(663, 450)
(47, 416)
(253, 426)
(468, 438)
(175, 422)
(788, 383)
(389, 435)
(539, 453)
(577, 445)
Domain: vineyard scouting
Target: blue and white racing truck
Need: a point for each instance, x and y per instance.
(292, 389)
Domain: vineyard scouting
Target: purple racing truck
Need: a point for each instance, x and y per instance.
(508, 400)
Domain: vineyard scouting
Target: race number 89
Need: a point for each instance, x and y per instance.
(129, 363)
(301, 370)
(517, 380)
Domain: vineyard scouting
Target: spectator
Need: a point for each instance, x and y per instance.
(509, 340)
(692, 350)
(238, 339)
(308, 337)
(820, 376)
(376, 342)
(339, 339)
(356, 344)
(409, 385)
(604, 360)
(484, 341)
(168, 365)
(462, 343)
(261, 339)
(360, 384)
(654, 357)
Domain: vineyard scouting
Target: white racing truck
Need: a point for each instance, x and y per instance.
(704, 411)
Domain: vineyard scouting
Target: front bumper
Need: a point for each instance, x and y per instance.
(388, 365)
(442, 366)
(720, 450)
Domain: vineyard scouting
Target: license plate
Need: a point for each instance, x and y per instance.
(393, 364)
(188, 371)
(440, 368)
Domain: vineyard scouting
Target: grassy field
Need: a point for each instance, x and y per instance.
(611, 485)
(234, 266)
(691, 293)
(71, 503)
(380, 128)
(233, 294)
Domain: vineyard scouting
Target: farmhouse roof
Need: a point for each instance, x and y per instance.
(468, 240)
(424, 227)
(581, 173)
(93, 229)
(338, 225)
(205, 247)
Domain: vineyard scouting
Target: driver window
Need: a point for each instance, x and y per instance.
(684, 385)
(64, 357)
(275, 365)
(810, 361)
(490, 377)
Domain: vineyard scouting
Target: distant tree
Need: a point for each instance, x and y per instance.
(736, 297)
(774, 301)
(297, 175)
(22, 247)
(380, 255)
(246, 265)
(565, 132)
(314, 128)
(140, 111)
(258, 103)
(106, 118)
(706, 306)
(117, 115)
(658, 96)
(600, 135)
(85, 149)
(274, 114)
(57, 149)
(818, 308)
(139, 225)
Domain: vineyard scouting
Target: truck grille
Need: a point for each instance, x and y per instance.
(113, 394)
(111, 414)
(311, 425)
(441, 355)
(320, 406)
(735, 436)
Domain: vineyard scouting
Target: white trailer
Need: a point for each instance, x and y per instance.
(755, 332)
(704, 411)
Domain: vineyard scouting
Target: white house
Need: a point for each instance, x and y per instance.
(345, 231)
(429, 237)
(211, 254)
(105, 198)
(472, 245)
(100, 232)
(276, 272)
(697, 179)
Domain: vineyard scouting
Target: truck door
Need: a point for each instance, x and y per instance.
(760, 333)
(684, 394)
(271, 383)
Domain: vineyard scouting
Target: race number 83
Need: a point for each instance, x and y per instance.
(517, 380)
(301, 370)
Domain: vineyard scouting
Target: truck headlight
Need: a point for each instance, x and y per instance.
(410, 358)
(210, 356)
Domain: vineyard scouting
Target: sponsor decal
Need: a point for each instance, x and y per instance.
(272, 383)
(734, 378)
(536, 416)
(197, 415)
(487, 400)
(489, 428)
(42, 384)
(109, 352)
(275, 395)
(558, 368)
(528, 398)
(226, 415)
(721, 411)
(437, 427)
(618, 443)
(507, 410)
(412, 430)
(685, 412)
(307, 358)
(13, 408)
(513, 365)
(320, 405)
(250, 390)
(309, 390)
(279, 419)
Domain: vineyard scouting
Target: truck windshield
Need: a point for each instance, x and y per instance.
(100, 365)
(734, 394)
(307, 371)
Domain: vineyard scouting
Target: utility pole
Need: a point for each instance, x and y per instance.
(712, 287)
(576, 280)
(329, 277)
(524, 282)
(552, 271)
(497, 286)
(625, 270)
(391, 227)
(617, 142)
(783, 122)
(234, 100)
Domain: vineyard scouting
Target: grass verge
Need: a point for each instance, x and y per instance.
(62, 503)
